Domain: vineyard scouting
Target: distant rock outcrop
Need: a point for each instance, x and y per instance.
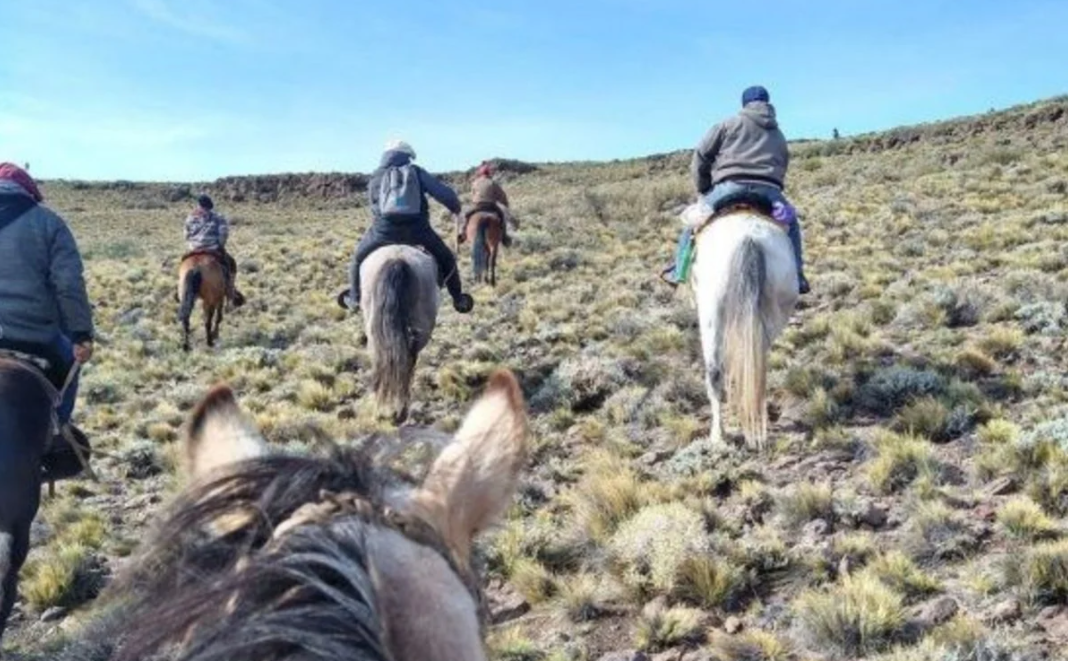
(278, 187)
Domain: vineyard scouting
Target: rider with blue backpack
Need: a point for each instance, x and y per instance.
(401, 215)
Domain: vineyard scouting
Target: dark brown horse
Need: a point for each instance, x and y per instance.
(200, 275)
(332, 557)
(26, 406)
(484, 232)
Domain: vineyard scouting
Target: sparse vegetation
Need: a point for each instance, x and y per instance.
(858, 616)
(918, 399)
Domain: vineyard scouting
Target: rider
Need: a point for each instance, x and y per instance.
(401, 215)
(207, 231)
(746, 152)
(44, 308)
(486, 196)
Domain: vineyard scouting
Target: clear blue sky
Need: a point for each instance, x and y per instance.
(195, 89)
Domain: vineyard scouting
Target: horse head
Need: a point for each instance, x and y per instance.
(333, 557)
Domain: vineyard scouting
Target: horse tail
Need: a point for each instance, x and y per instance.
(480, 248)
(745, 340)
(391, 333)
(190, 289)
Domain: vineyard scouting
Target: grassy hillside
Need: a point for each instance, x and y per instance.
(913, 505)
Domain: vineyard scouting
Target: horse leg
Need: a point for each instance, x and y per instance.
(493, 264)
(209, 318)
(14, 547)
(218, 321)
(712, 346)
(714, 382)
(185, 333)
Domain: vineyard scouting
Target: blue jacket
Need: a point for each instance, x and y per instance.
(42, 286)
(429, 184)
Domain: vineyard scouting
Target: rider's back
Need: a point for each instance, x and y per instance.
(746, 146)
(41, 283)
(205, 230)
(486, 190)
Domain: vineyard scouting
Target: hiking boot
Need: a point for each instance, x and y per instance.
(668, 276)
(463, 303)
(61, 462)
(802, 284)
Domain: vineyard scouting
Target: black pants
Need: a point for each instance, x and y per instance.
(415, 232)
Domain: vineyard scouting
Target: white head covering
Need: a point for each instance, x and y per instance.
(401, 146)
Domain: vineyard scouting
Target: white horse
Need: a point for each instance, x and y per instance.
(400, 303)
(744, 282)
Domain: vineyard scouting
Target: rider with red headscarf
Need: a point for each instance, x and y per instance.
(487, 196)
(44, 307)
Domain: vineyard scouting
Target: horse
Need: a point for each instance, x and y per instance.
(201, 275)
(400, 301)
(331, 556)
(27, 401)
(484, 232)
(745, 286)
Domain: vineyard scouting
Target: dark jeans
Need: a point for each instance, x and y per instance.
(60, 355)
(415, 232)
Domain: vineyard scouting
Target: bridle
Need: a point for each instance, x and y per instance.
(333, 505)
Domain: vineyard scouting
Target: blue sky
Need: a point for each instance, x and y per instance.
(196, 89)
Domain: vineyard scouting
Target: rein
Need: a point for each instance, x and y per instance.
(332, 505)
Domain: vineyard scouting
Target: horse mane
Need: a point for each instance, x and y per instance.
(307, 596)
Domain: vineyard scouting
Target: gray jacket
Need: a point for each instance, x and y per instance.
(42, 286)
(430, 184)
(206, 230)
(746, 147)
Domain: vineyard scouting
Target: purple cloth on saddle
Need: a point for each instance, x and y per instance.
(784, 213)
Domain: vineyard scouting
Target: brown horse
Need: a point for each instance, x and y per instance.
(484, 232)
(26, 404)
(333, 556)
(200, 275)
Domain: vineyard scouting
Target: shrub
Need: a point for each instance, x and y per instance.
(901, 460)
(1022, 517)
(660, 627)
(651, 548)
(892, 388)
(858, 616)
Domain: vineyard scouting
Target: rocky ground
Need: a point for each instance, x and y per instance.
(912, 504)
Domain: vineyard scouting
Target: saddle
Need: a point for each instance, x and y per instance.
(216, 254)
(742, 201)
(61, 460)
(485, 207)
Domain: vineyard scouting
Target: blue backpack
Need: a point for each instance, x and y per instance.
(399, 191)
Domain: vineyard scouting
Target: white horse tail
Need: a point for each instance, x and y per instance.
(745, 340)
(391, 335)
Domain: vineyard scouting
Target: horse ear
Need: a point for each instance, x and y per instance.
(219, 434)
(474, 478)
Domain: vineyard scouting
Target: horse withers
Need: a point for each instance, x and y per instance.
(400, 301)
(26, 414)
(745, 286)
(485, 232)
(201, 275)
(331, 556)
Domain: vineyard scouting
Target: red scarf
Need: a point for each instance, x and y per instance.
(12, 172)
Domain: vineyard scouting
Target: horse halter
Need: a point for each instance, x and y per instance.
(333, 505)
